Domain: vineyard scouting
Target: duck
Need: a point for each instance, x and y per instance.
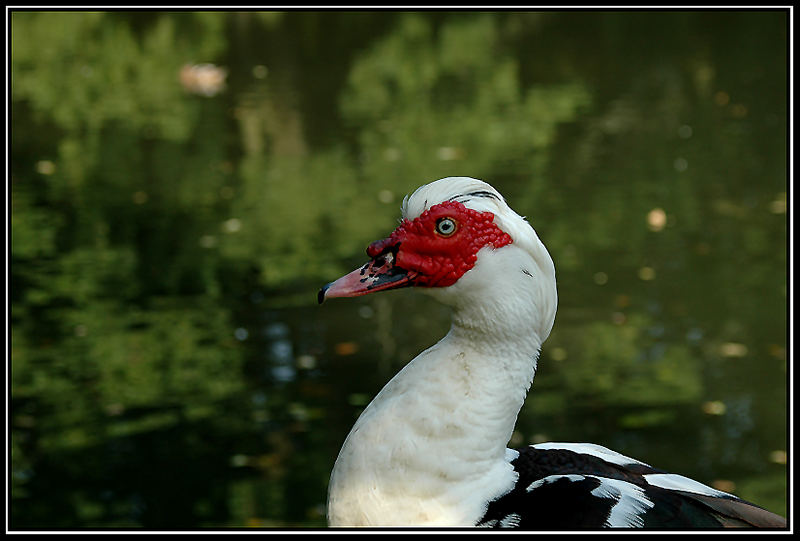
(430, 450)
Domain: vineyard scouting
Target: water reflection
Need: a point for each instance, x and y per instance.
(170, 366)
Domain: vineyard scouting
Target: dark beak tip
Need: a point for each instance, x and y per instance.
(321, 293)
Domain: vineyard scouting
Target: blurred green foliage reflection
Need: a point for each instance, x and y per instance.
(182, 184)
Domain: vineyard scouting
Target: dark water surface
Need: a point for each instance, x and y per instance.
(183, 183)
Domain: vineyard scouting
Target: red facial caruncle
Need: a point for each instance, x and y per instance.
(433, 250)
(442, 243)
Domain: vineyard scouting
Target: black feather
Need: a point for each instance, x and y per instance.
(568, 502)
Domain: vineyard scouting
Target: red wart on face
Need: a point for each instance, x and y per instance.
(433, 250)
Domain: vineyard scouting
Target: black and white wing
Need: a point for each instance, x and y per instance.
(584, 486)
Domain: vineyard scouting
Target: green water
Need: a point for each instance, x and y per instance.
(170, 367)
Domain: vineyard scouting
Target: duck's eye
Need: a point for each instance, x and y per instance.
(445, 226)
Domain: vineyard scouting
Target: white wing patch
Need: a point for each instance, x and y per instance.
(673, 481)
(591, 449)
(631, 501)
(510, 521)
(553, 478)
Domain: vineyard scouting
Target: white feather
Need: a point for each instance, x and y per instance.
(673, 481)
(631, 504)
(631, 501)
(553, 478)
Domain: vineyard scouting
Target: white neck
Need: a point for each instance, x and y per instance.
(431, 447)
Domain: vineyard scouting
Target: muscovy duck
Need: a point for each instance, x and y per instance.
(430, 449)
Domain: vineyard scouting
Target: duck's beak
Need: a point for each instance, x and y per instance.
(376, 275)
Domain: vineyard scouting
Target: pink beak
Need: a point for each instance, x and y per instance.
(375, 275)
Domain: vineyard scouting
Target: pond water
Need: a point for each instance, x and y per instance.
(183, 183)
